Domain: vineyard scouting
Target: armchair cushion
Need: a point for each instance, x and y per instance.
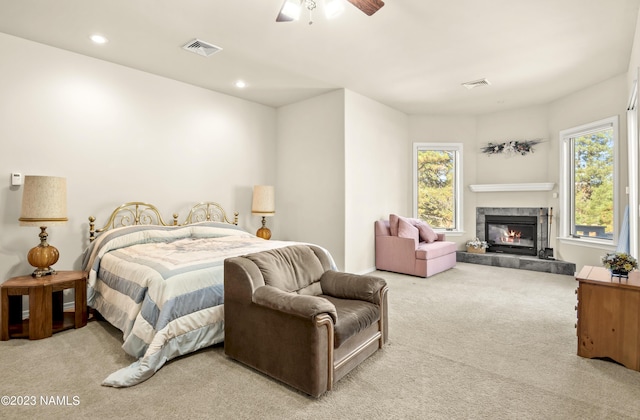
(292, 269)
(407, 230)
(293, 304)
(394, 219)
(352, 286)
(354, 316)
(434, 250)
(402, 227)
(427, 234)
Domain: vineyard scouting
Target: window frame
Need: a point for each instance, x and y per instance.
(632, 167)
(458, 156)
(566, 186)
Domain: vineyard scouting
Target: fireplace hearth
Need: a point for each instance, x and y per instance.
(513, 248)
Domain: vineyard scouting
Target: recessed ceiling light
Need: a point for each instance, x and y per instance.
(99, 39)
(241, 84)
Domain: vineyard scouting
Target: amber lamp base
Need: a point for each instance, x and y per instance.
(43, 256)
(264, 231)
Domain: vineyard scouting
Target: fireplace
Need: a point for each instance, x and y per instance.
(534, 228)
(512, 234)
(514, 230)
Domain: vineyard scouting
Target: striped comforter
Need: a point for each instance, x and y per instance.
(163, 288)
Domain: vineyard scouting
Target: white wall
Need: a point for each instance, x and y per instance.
(342, 164)
(634, 60)
(310, 186)
(377, 174)
(519, 124)
(527, 123)
(119, 135)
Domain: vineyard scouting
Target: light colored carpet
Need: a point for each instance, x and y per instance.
(473, 342)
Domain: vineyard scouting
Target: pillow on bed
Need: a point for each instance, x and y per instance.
(408, 230)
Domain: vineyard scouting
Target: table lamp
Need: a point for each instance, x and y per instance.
(263, 205)
(44, 203)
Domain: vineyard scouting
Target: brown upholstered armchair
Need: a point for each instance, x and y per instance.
(288, 315)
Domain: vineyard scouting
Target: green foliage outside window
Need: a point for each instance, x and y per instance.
(593, 181)
(436, 187)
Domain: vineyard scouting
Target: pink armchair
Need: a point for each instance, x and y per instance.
(402, 246)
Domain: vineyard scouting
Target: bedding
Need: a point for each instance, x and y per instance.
(162, 286)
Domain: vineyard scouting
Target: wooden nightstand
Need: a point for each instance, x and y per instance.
(46, 315)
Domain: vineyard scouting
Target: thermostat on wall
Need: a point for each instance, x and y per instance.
(16, 178)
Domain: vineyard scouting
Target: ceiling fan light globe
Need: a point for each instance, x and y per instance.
(291, 9)
(333, 8)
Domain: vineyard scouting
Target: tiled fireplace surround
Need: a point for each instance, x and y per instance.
(511, 260)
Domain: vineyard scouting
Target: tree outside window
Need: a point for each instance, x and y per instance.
(593, 184)
(436, 189)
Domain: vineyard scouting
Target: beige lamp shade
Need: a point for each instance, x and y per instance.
(44, 201)
(264, 203)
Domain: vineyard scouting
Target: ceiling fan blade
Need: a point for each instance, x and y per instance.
(369, 7)
(283, 18)
(289, 11)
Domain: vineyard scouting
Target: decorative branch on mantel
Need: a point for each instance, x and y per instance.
(511, 147)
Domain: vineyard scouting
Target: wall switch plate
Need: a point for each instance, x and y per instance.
(16, 178)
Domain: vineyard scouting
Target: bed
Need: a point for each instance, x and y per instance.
(160, 283)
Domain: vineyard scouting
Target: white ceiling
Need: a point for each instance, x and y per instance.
(412, 55)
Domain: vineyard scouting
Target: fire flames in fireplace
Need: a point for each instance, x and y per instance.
(512, 236)
(522, 231)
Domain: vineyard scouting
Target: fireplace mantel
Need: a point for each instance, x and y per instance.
(529, 186)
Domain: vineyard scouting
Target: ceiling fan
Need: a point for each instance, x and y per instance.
(291, 9)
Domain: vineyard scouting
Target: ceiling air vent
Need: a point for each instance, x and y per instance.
(202, 48)
(476, 83)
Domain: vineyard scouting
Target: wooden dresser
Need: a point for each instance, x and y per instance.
(609, 316)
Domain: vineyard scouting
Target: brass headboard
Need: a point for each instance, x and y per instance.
(208, 211)
(139, 213)
(130, 214)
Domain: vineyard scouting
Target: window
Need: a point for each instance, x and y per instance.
(437, 178)
(589, 162)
